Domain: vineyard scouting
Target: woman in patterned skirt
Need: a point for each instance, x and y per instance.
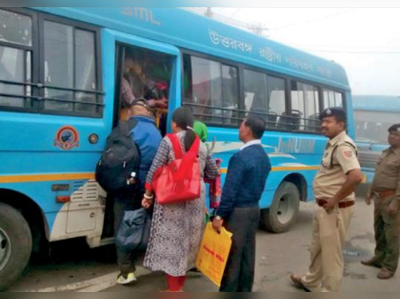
(177, 229)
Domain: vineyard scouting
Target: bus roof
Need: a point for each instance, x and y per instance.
(376, 103)
(194, 32)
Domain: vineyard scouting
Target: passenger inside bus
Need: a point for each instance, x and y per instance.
(138, 82)
(145, 76)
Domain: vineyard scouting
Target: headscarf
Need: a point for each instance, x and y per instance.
(201, 130)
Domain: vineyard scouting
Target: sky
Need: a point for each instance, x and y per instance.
(366, 41)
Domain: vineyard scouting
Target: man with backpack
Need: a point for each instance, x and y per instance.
(122, 172)
(147, 137)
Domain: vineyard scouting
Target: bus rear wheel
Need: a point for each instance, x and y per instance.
(15, 245)
(284, 209)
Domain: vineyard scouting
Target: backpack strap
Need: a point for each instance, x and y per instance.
(195, 147)
(176, 146)
(337, 146)
(188, 160)
(131, 124)
(125, 127)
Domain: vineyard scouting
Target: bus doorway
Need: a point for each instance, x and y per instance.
(140, 73)
(143, 74)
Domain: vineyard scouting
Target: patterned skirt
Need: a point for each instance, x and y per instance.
(176, 235)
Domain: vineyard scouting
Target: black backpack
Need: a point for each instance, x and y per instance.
(119, 160)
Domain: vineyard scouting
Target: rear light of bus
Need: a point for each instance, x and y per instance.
(63, 199)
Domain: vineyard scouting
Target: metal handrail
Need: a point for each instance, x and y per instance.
(40, 85)
(287, 117)
(36, 98)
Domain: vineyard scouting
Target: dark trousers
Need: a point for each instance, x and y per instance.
(240, 268)
(123, 202)
(387, 235)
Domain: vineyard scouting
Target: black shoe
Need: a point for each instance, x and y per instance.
(372, 263)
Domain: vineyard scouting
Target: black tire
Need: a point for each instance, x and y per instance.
(15, 245)
(284, 209)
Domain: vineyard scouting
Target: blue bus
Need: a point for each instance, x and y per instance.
(374, 115)
(60, 78)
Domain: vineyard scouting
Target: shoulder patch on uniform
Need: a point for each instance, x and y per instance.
(348, 154)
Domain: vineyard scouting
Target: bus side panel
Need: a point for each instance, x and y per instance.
(61, 220)
(290, 154)
(37, 161)
(351, 131)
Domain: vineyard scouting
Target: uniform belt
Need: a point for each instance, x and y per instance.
(342, 204)
(385, 194)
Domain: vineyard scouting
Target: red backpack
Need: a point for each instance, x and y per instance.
(179, 181)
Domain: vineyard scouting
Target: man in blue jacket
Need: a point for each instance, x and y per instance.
(148, 138)
(239, 210)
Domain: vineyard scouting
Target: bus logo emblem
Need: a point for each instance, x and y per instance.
(142, 14)
(67, 138)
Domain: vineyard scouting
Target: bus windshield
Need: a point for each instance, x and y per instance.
(372, 126)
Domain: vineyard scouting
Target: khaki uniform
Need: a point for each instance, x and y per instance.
(330, 230)
(387, 227)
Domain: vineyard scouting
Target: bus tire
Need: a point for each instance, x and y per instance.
(15, 245)
(284, 209)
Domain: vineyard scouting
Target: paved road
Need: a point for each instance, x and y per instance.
(75, 268)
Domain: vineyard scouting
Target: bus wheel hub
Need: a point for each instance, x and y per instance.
(5, 249)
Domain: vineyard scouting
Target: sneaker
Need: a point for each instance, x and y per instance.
(128, 279)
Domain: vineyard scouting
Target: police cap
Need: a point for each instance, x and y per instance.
(338, 112)
(395, 128)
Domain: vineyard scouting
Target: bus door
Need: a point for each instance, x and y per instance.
(143, 69)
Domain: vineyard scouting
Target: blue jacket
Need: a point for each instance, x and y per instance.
(246, 179)
(148, 138)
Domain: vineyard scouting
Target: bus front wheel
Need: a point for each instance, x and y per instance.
(15, 245)
(284, 209)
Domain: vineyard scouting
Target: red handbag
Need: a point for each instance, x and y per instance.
(179, 181)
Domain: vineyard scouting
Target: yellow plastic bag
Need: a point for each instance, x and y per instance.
(214, 253)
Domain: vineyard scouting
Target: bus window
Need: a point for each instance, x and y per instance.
(15, 28)
(332, 99)
(207, 91)
(12, 64)
(59, 66)
(265, 96)
(339, 99)
(277, 100)
(256, 93)
(213, 93)
(15, 59)
(296, 117)
(373, 126)
(305, 107)
(70, 70)
(326, 99)
(230, 93)
(85, 70)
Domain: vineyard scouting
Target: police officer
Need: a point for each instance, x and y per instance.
(385, 192)
(334, 188)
